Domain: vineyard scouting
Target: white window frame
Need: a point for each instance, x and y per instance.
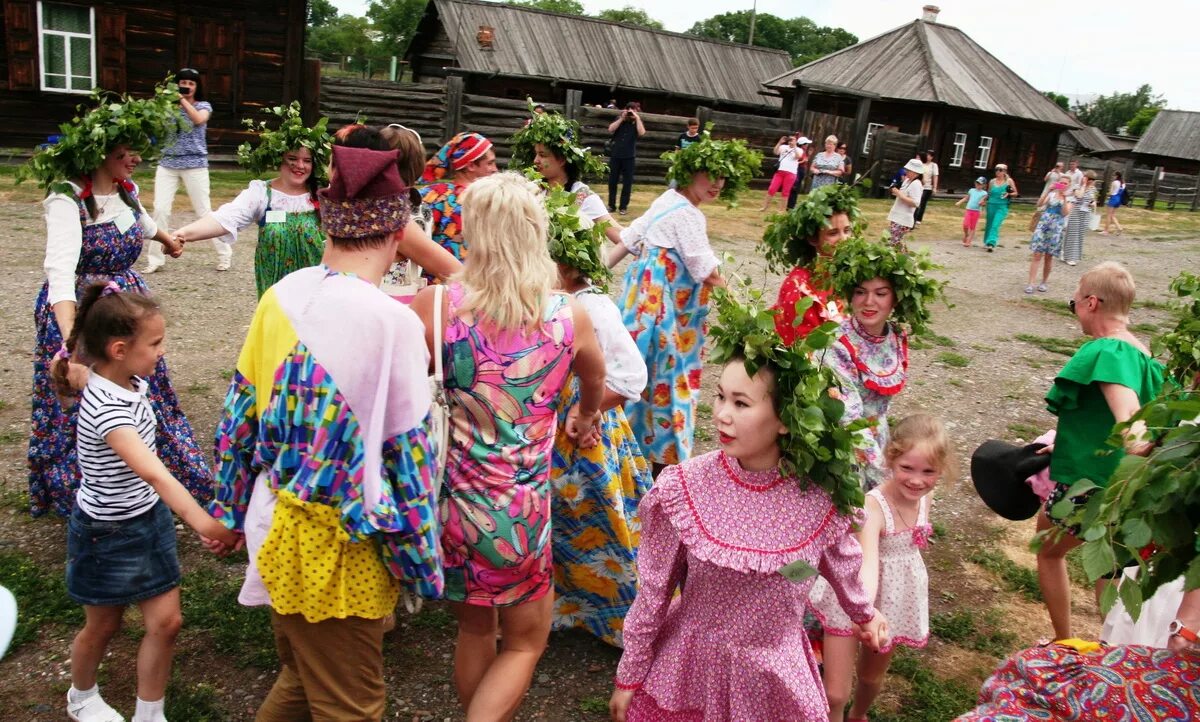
(91, 36)
(985, 151)
(872, 129)
(960, 149)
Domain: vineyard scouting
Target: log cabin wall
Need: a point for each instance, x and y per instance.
(249, 55)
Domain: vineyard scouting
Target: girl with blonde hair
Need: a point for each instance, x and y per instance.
(508, 344)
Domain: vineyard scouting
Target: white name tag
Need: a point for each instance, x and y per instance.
(124, 220)
(276, 216)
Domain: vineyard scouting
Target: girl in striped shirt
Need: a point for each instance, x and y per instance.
(121, 534)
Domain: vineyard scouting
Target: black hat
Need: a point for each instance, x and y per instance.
(188, 74)
(999, 470)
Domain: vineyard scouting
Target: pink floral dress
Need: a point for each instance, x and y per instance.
(903, 595)
(503, 390)
(731, 644)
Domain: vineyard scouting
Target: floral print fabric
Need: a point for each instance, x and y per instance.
(1047, 237)
(503, 390)
(799, 285)
(445, 219)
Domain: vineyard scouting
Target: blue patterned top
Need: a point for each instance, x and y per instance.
(190, 149)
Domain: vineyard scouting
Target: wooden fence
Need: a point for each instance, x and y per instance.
(1154, 186)
(890, 150)
(379, 102)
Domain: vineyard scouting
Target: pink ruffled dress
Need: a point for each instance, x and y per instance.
(903, 595)
(731, 645)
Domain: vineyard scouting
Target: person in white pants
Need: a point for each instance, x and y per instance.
(186, 160)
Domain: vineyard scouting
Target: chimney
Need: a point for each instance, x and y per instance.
(929, 13)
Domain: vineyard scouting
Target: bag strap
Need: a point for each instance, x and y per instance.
(437, 333)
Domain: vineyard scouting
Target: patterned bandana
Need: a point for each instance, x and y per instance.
(462, 150)
(365, 196)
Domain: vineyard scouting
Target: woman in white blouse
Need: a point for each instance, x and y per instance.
(901, 218)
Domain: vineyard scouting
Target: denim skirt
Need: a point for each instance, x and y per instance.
(114, 563)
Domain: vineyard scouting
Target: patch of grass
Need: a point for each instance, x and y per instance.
(199, 387)
(918, 343)
(1024, 431)
(983, 347)
(939, 530)
(193, 703)
(703, 433)
(1075, 569)
(41, 596)
(955, 360)
(1033, 363)
(961, 628)
(958, 383)
(1147, 328)
(227, 374)
(432, 618)
(938, 340)
(3, 404)
(931, 699)
(14, 498)
(1052, 305)
(13, 436)
(1063, 346)
(243, 634)
(1015, 577)
(1154, 305)
(704, 409)
(594, 705)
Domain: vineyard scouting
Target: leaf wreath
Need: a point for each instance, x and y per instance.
(856, 260)
(1182, 343)
(144, 124)
(290, 134)
(787, 241)
(819, 445)
(732, 160)
(559, 135)
(575, 240)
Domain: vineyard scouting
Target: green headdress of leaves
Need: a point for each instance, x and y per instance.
(560, 135)
(575, 241)
(786, 243)
(857, 260)
(289, 134)
(732, 160)
(819, 447)
(1182, 343)
(106, 121)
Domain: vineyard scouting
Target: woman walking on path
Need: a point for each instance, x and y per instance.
(95, 228)
(509, 344)
(665, 303)
(1000, 189)
(901, 218)
(1116, 196)
(186, 159)
(827, 166)
(789, 154)
(290, 236)
(1047, 237)
(469, 156)
(1083, 199)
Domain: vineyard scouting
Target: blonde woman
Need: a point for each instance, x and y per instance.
(508, 344)
(1083, 199)
(827, 166)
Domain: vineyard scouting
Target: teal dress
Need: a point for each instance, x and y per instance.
(997, 211)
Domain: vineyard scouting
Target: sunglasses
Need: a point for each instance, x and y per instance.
(1071, 302)
(410, 130)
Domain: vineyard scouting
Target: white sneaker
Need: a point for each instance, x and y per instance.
(223, 265)
(92, 709)
(152, 267)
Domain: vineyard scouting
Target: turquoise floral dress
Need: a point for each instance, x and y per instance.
(1047, 237)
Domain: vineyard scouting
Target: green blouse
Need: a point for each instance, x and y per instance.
(1084, 419)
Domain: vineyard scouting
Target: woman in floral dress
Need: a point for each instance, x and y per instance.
(95, 229)
(1047, 237)
(508, 344)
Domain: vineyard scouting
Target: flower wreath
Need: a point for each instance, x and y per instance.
(291, 134)
(857, 260)
(732, 160)
(574, 239)
(786, 243)
(559, 134)
(82, 144)
(819, 446)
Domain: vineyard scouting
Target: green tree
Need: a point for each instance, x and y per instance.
(1139, 123)
(1110, 113)
(1060, 100)
(803, 39)
(343, 36)
(321, 12)
(396, 22)
(631, 15)
(568, 7)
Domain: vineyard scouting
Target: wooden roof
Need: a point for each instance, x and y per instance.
(1092, 139)
(1172, 134)
(928, 62)
(538, 44)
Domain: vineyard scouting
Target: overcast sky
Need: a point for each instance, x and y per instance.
(1073, 47)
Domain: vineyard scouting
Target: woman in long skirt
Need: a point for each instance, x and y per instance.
(1083, 198)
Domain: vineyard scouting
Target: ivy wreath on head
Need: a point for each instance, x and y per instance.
(574, 240)
(289, 134)
(818, 447)
(560, 135)
(111, 120)
(857, 260)
(786, 243)
(732, 160)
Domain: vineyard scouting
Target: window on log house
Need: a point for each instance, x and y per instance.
(872, 129)
(985, 151)
(960, 147)
(67, 47)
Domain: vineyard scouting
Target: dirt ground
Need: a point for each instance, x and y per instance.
(974, 374)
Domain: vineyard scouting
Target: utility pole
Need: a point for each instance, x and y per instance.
(753, 13)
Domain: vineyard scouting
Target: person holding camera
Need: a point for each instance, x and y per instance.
(622, 155)
(185, 160)
(790, 155)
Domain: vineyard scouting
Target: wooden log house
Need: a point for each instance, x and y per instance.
(53, 53)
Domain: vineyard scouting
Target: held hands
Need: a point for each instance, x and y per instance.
(618, 704)
(875, 633)
(174, 246)
(583, 430)
(219, 539)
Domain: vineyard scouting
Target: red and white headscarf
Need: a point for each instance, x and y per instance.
(462, 150)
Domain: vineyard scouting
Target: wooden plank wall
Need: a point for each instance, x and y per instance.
(417, 106)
